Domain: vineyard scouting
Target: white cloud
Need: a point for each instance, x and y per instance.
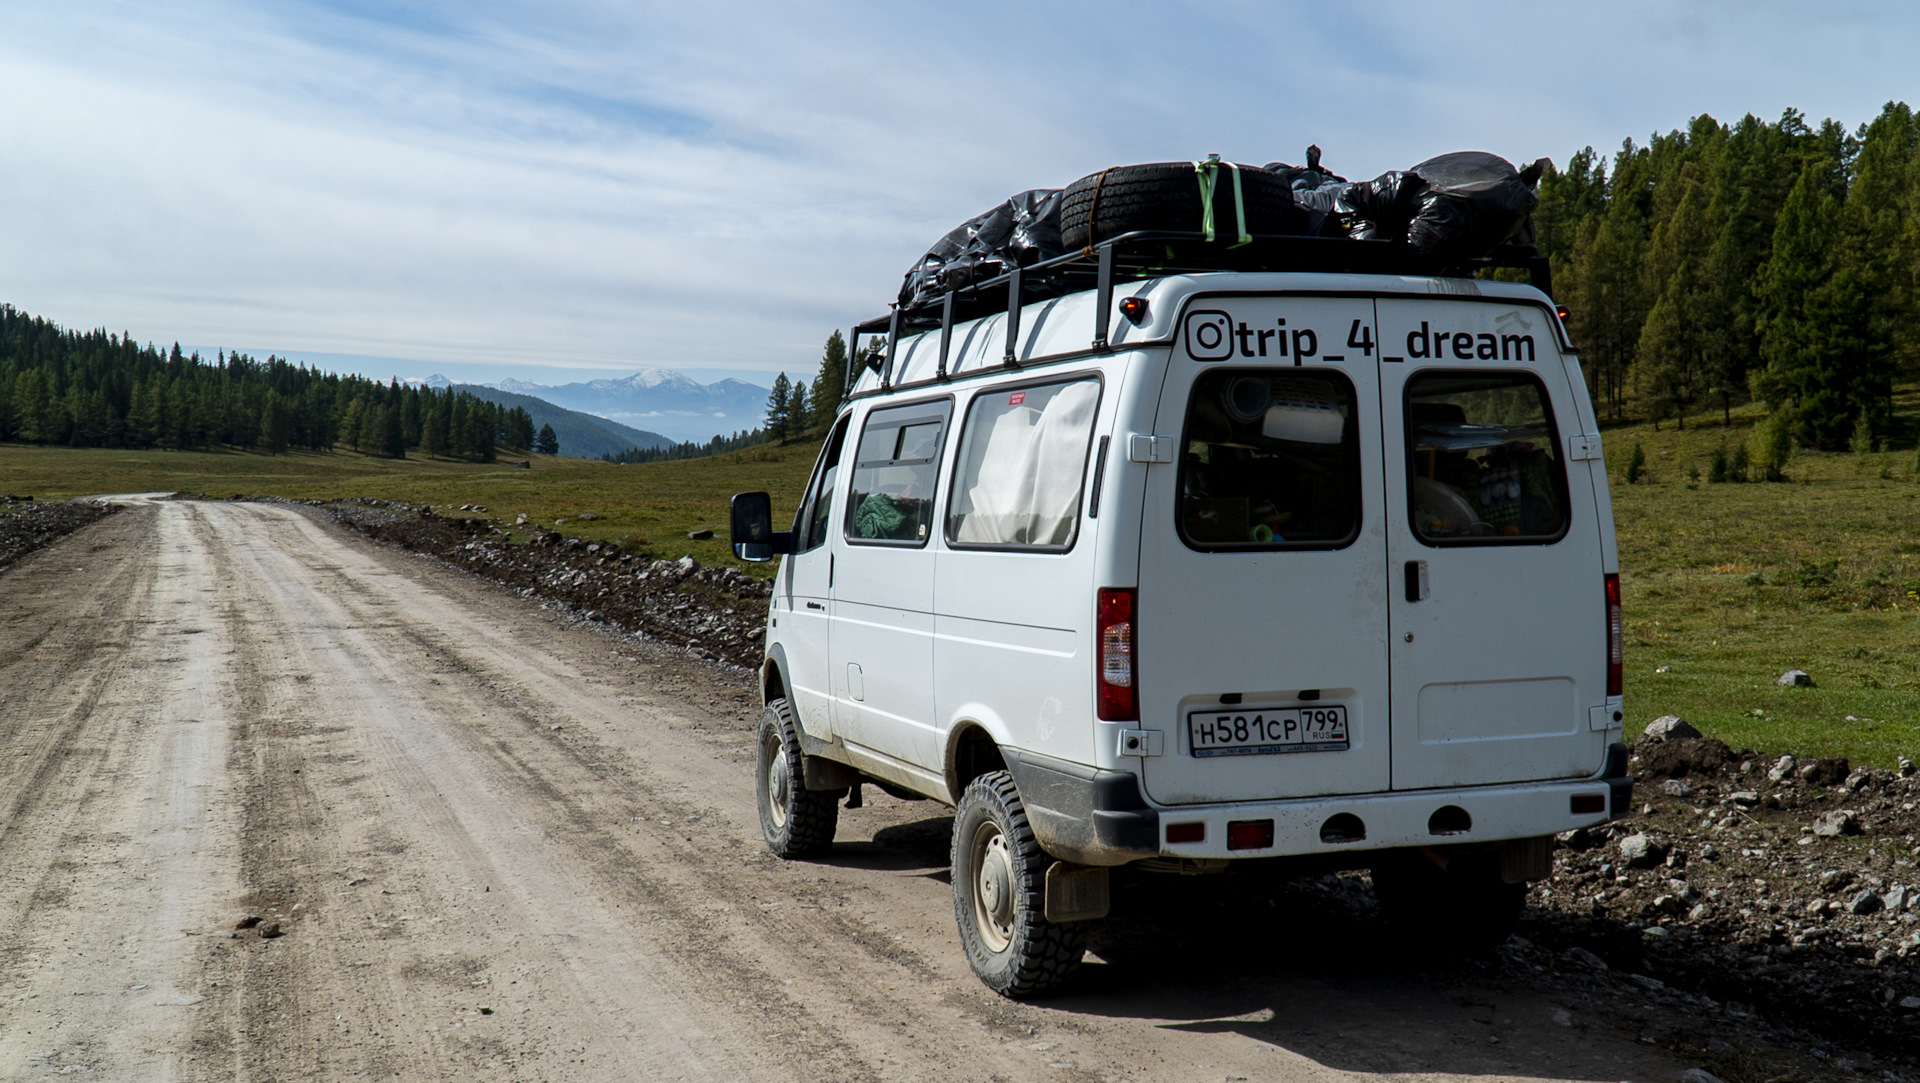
(603, 185)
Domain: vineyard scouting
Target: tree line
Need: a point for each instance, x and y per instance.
(1772, 262)
(95, 389)
(796, 407)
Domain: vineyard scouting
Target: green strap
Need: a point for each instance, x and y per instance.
(1208, 173)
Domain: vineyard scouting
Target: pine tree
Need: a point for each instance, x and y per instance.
(799, 415)
(546, 443)
(778, 403)
(433, 431)
(831, 381)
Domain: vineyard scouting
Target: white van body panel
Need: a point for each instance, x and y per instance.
(1488, 693)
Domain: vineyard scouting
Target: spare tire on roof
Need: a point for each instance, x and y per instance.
(1166, 196)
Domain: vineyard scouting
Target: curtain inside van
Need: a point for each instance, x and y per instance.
(1022, 461)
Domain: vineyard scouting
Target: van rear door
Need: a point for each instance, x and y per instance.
(1494, 547)
(1262, 610)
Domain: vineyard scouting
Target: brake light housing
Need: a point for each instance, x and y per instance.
(1117, 679)
(1616, 638)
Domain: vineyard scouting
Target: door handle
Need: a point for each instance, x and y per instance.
(815, 605)
(1416, 580)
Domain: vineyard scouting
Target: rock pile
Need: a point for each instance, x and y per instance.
(26, 526)
(718, 613)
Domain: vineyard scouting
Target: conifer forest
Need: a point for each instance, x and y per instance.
(95, 389)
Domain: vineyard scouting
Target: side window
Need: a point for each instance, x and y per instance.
(1023, 460)
(895, 468)
(1271, 460)
(1484, 460)
(815, 512)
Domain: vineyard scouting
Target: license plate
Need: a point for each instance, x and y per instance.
(1265, 731)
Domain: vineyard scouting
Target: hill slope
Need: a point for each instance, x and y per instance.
(582, 436)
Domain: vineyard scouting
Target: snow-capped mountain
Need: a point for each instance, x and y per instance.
(519, 387)
(660, 400)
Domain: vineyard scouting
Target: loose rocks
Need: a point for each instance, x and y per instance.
(1794, 678)
(1836, 823)
(1642, 851)
(1667, 727)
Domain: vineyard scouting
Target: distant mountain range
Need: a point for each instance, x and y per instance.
(661, 401)
(581, 435)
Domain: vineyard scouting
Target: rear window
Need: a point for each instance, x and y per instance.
(1023, 459)
(895, 467)
(1271, 461)
(1484, 461)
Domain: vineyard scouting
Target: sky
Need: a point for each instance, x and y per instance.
(571, 189)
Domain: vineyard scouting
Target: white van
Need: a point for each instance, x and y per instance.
(1201, 567)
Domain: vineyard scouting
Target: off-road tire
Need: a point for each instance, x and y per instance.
(797, 822)
(1166, 196)
(1013, 949)
(1464, 909)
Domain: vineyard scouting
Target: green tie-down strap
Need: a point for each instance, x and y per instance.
(1209, 174)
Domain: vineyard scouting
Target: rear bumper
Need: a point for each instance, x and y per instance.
(1099, 817)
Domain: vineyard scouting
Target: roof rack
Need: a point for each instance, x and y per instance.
(1145, 254)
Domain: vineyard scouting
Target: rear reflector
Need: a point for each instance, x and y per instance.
(1118, 701)
(1616, 639)
(1249, 834)
(1588, 803)
(1196, 832)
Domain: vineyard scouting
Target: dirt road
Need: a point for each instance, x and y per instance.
(497, 846)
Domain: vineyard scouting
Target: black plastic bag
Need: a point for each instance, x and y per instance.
(1471, 203)
(1383, 207)
(1315, 190)
(1020, 232)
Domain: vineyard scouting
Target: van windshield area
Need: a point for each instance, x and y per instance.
(1484, 458)
(1271, 461)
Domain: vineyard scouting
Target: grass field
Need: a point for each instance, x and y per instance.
(1726, 586)
(649, 507)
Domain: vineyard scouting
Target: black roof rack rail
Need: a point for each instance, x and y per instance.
(1133, 257)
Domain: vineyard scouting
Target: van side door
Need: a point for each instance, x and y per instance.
(882, 604)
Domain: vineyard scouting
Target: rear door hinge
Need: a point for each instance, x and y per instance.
(1141, 742)
(1583, 446)
(1146, 448)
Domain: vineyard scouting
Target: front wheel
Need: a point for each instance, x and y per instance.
(797, 822)
(999, 894)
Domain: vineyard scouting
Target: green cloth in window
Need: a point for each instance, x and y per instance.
(877, 517)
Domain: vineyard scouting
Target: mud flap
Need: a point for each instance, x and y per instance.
(825, 774)
(1522, 860)
(1076, 892)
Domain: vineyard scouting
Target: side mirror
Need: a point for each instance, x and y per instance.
(751, 529)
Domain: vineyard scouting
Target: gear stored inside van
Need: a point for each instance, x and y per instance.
(1181, 551)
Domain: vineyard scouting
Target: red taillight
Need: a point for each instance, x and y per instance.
(1118, 699)
(1616, 639)
(1250, 835)
(1188, 832)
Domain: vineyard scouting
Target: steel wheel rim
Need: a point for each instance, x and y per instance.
(993, 887)
(779, 784)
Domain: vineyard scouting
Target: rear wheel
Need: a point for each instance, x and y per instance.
(797, 822)
(1463, 908)
(999, 894)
